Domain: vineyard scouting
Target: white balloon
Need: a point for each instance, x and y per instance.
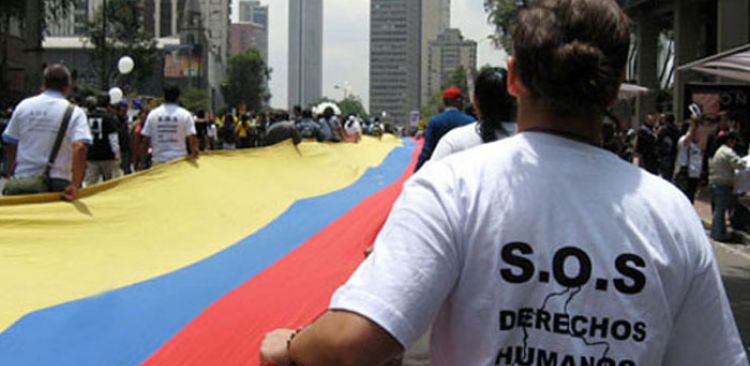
(125, 65)
(115, 95)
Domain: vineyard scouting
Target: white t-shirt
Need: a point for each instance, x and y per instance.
(464, 138)
(694, 161)
(168, 126)
(34, 126)
(541, 246)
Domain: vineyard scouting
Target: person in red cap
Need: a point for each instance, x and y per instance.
(443, 123)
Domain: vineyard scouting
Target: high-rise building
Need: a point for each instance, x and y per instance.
(449, 52)
(305, 51)
(395, 57)
(246, 35)
(436, 18)
(252, 12)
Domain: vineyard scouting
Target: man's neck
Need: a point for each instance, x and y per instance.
(535, 117)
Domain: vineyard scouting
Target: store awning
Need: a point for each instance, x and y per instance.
(733, 64)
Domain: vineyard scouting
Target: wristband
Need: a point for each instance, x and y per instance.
(289, 346)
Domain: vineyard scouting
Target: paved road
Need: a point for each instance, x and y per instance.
(735, 270)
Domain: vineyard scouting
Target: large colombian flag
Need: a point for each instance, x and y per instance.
(191, 263)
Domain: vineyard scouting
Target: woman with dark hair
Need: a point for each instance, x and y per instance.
(542, 248)
(493, 106)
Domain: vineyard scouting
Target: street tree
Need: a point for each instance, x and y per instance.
(457, 79)
(352, 105)
(247, 81)
(195, 99)
(119, 30)
(502, 14)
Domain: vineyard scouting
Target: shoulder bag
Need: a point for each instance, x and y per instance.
(40, 183)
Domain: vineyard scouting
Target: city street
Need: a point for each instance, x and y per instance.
(735, 269)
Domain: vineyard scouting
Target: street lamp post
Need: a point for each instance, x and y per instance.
(345, 88)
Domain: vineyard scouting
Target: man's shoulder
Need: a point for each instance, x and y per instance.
(28, 102)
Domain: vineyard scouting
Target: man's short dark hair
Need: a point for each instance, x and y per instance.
(171, 93)
(102, 100)
(56, 77)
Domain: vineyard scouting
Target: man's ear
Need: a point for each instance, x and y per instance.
(515, 88)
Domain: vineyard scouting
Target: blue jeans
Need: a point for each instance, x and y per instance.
(722, 200)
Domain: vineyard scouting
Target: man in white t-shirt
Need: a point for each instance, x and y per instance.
(169, 129)
(33, 129)
(540, 249)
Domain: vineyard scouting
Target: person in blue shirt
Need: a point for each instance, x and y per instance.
(443, 123)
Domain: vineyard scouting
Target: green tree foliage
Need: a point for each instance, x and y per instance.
(195, 99)
(319, 101)
(247, 81)
(352, 105)
(458, 79)
(126, 35)
(502, 14)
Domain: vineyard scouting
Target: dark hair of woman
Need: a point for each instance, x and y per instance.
(494, 104)
(571, 54)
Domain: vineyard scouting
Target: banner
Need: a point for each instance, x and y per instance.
(191, 262)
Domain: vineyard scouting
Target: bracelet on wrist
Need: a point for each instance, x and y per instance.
(289, 346)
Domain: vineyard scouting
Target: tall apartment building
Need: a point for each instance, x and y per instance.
(305, 83)
(246, 35)
(446, 54)
(253, 28)
(395, 57)
(252, 11)
(436, 19)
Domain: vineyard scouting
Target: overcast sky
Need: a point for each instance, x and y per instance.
(346, 35)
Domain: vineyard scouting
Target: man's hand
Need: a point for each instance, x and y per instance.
(273, 350)
(70, 193)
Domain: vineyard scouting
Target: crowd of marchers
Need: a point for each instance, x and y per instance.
(54, 143)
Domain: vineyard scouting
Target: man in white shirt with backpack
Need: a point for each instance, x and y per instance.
(33, 130)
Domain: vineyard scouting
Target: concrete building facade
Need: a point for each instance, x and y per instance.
(395, 58)
(75, 23)
(436, 19)
(254, 13)
(449, 52)
(305, 84)
(700, 28)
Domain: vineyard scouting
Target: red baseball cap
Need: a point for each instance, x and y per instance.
(452, 93)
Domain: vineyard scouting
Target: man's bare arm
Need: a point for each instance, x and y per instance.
(10, 158)
(79, 171)
(336, 338)
(194, 150)
(145, 144)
